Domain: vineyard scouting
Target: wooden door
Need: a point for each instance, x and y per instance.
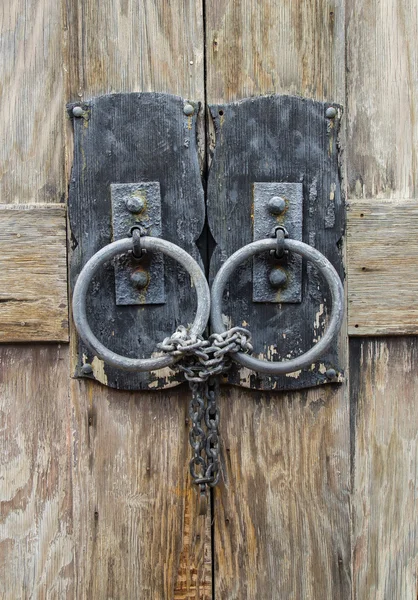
(318, 498)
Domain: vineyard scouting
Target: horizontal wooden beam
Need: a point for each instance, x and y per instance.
(33, 273)
(382, 273)
(382, 267)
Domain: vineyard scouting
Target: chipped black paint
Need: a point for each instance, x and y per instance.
(128, 138)
(277, 139)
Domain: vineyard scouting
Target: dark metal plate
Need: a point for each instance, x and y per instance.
(277, 204)
(138, 205)
(277, 139)
(127, 139)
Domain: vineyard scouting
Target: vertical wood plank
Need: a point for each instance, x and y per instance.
(382, 96)
(32, 102)
(282, 519)
(384, 387)
(36, 532)
(137, 532)
(288, 47)
(128, 46)
(382, 61)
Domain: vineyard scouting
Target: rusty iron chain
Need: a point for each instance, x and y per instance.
(202, 361)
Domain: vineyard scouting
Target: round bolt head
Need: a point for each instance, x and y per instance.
(140, 278)
(188, 109)
(87, 369)
(135, 205)
(277, 277)
(78, 111)
(276, 205)
(331, 112)
(331, 373)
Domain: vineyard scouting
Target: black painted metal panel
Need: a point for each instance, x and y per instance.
(277, 139)
(129, 138)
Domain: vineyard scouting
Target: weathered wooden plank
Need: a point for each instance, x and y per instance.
(270, 47)
(382, 96)
(382, 61)
(281, 515)
(36, 533)
(32, 102)
(384, 386)
(382, 258)
(128, 46)
(135, 522)
(33, 273)
(282, 520)
(144, 518)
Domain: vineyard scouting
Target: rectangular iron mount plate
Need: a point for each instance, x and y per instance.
(138, 146)
(138, 205)
(277, 147)
(277, 205)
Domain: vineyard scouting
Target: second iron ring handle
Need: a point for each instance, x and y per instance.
(325, 268)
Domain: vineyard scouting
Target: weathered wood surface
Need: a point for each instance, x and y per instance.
(287, 47)
(382, 259)
(384, 388)
(127, 46)
(382, 94)
(282, 517)
(32, 102)
(135, 522)
(52, 53)
(282, 514)
(33, 273)
(36, 438)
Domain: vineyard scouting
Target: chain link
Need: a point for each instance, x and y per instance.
(202, 361)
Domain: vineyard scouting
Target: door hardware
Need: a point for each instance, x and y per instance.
(281, 187)
(276, 163)
(135, 165)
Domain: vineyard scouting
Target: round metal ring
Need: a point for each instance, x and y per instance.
(108, 252)
(324, 267)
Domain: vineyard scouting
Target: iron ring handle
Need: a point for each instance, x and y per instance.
(93, 265)
(324, 267)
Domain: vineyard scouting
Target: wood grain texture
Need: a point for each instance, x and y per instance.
(36, 534)
(282, 517)
(384, 387)
(146, 541)
(128, 46)
(135, 522)
(32, 102)
(270, 47)
(382, 254)
(33, 273)
(382, 96)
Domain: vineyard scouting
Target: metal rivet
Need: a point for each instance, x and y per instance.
(331, 373)
(78, 111)
(277, 277)
(140, 278)
(135, 205)
(87, 369)
(331, 112)
(188, 110)
(276, 205)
